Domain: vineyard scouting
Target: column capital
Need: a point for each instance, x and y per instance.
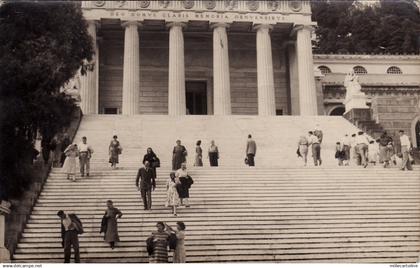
(131, 22)
(299, 27)
(258, 27)
(219, 24)
(171, 24)
(97, 23)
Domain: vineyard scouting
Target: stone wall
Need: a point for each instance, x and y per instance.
(154, 59)
(22, 207)
(396, 112)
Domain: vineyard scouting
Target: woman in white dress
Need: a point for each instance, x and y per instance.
(172, 197)
(69, 166)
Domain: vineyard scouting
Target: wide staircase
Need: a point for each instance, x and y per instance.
(278, 211)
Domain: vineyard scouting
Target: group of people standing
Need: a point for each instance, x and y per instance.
(381, 150)
(84, 152)
(313, 140)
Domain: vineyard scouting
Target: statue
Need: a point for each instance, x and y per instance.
(355, 98)
(351, 83)
(72, 87)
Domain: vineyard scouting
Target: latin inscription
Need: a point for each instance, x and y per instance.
(269, 18)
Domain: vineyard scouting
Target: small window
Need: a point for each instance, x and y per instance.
(394, 70)
(279, 112)
(359, 70)
(324, 70)
(110, 110)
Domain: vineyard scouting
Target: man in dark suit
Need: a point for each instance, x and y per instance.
(146, 177)
(71, 227)
(251, 150)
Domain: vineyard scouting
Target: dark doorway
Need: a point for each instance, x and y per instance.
(339, 111)
(110, 110)
(196, 92)
(418, 134)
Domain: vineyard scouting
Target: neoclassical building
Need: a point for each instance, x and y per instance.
(200, 57)
(233, 57)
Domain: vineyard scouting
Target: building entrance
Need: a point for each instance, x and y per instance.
(196, 97)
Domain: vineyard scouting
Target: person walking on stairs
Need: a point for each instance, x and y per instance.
(159, 242)
(384, 149)
(251, 150)
(145, 183)
(346, 143)
(115, 150)
(184, 182)
(85, 153)
(111, 215)
(303, 149)
(373, 151)
(153, 160)
(362, 147)
(213, 155)
(406, 147)
(198, 155)
(316, 148)
(318, 133)
(70, 164)
(179, 253)
(179, 155)
(172, 197)
(71, 227)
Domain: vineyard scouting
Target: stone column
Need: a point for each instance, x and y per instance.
(307, 90)
(293, 78)
(221, 73)
(265, 76)
(176, 81)
(131, 74)
(4, 252)
(89, 85)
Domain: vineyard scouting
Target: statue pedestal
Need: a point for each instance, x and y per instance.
(4, 253)
(357, 101)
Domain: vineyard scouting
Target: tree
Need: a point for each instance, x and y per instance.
(42, 46)
(355, 27)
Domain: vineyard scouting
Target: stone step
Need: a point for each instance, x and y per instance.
(278, 211)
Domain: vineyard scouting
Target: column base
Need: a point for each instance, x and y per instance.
(4, 255)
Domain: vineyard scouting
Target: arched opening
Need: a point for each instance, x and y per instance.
(415, 132)
(337, 111)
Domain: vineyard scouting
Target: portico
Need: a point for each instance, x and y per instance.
(150, 50)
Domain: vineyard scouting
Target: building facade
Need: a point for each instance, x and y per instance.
(232, 57)
(200, 57)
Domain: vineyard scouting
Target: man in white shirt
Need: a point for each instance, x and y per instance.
(85, 153)
(71, 227)
(405, 150)
(362, 146)
(316, 148)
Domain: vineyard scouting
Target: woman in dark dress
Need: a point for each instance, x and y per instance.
(151, 157)
(178, 155)
(213, 154)
(111, 214)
